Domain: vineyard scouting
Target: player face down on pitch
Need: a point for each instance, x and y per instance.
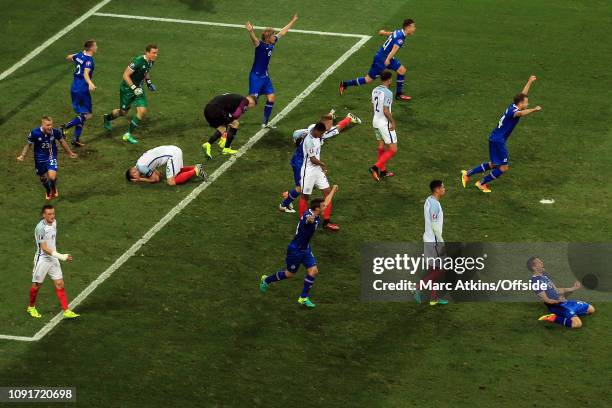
(297, 160)
(145, 170)
(131, 92)
(80, 91)
(498, 151)
(47, 262)
(299, 251)
(259, 78)
(223, 113)
(43, 139)
(384, 127)
(563, 311)
(385, 59)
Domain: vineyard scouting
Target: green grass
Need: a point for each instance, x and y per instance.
(183, 323)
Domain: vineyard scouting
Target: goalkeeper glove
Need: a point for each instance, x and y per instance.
(137, 90)
(150, 85)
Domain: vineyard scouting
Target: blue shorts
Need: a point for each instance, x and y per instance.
(81, 102)
(378, 66)
(44, 166)
(297, 174)
(295, 257)
(260, 85)
(569, 308)
(498, 152)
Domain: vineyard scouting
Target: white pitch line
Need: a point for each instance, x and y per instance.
(211, 23)
(192, 196)
(53, 39)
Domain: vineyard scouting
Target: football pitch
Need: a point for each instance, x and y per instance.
(166, 278)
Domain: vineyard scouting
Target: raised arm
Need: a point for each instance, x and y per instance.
(286, 28)
(329, 197)
(526, 112)
(530, 81)
(384, 33)
(252, 36)
(70, 57)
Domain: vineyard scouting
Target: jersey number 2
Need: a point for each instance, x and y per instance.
(376, 104)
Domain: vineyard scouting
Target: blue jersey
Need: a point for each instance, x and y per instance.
(263, 53)
(396, 38)
(81, 62)
(45, 148)
(544, 279)
(506, 124)
(304, 231)
(298, 156)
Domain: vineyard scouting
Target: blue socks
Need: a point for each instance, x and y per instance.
(292, 196)
(355, 82)
(494, 174)
(308, 282)
(481, 168)
(564, 321)
(78, 122)
(278, 276)
(399, 84)
(267, 112)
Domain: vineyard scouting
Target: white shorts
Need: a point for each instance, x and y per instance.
(311, 177)
(382, 132)
(174, 164)
(43, 266)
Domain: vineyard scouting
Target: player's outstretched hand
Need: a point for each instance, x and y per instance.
(532, 78)
(20, 158)
(577, 285)
(92, 87)
(335, 188)
(294, 18)
(248, 26)
(538, 108)
(69, 259)
(73, 155)
(151, 86)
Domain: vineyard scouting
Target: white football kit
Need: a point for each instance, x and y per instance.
(382, 97)
(171, 156)
(312, 174)
(45, 264)
(434, 224)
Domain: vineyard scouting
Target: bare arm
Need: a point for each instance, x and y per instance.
(66, 148)
(526, 112)
(152, 179)
(92, 87)
(530, 81)
(127, 76)
(252, 36)
(318, 162)
(70, 57)
(542, 295)
(329, 197)
(46, 250)
(389, 117)
(24, 151)
(576, 286)
(394, 51)
(286, 28)
(384, 33)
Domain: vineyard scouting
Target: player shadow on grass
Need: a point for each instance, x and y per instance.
(200, 5)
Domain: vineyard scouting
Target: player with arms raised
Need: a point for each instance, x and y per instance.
(259, 79)
(43, 139)
(46, 262)
(498, 151)
(385, 59)
(299, 251)
(82, 85)
(131, 91)
(384, 127)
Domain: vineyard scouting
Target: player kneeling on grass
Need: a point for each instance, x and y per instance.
(46, 262)
(145, 170)
(384, 127)
(297, 160)
(222, 113)
(300, 252)
(563, 311)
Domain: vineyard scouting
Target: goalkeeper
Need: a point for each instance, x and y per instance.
(131, 92)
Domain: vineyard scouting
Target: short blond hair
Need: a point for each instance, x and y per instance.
(266, 33)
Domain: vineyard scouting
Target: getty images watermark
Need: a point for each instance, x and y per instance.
(473, 271)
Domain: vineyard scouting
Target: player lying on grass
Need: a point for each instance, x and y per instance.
(222, 113)
(299, 251)
(259, 79)
(46, 262)
(498, 151)
(82, 85)
(145, 170)
(564, 312)
(131, 91)
(384, 127)
(43, 139)
(385, 59)
(298, 156)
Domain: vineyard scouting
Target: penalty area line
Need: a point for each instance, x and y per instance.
(191, 196)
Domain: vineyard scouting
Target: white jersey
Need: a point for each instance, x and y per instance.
(434, 220)
(331, 132)
(311, 148)
(45, 233)
(171, 156)
(382, 97)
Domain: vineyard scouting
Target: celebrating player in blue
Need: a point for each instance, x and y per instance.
(299, 251)
(498, 152)
(259, 79)
(82, 85)
(385, 59)
(564, 312)
(45, 154)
